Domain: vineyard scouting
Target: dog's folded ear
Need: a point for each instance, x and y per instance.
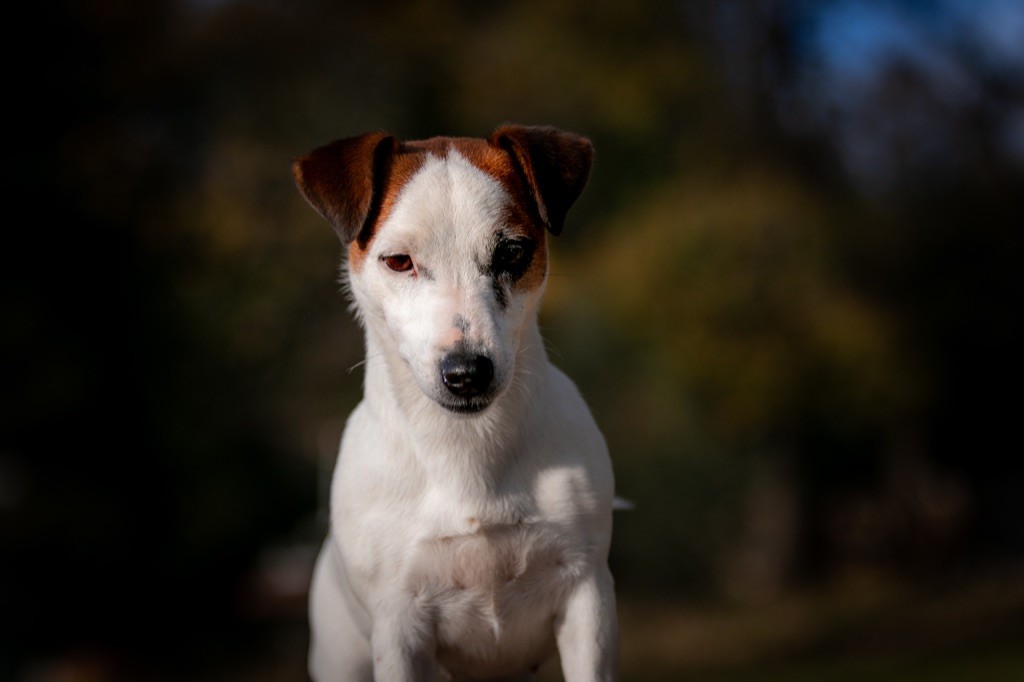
(555, 165)
(344, 181)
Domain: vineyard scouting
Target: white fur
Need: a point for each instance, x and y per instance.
(462, 546)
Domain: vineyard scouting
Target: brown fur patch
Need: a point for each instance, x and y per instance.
(354, 182)
(555, 165)
(519, 217)
(339, 179)
(357, 255)
(405, 163)
(409, 158)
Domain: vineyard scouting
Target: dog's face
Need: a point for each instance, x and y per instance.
(452, 272)
(447, 244)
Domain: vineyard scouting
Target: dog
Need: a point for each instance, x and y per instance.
(471, 503)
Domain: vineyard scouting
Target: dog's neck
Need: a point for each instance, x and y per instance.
(480, 443)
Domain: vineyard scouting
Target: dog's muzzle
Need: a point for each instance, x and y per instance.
(468, 378)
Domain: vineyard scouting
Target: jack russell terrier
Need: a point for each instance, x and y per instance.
(471, 503)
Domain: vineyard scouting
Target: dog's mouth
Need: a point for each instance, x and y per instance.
(465, 406)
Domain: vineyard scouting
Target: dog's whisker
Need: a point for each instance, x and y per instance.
(362, 362)
(553, 349)
(521, 387)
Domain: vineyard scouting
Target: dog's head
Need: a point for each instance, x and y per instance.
(447, 251)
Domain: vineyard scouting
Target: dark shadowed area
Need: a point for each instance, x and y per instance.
(791, 294)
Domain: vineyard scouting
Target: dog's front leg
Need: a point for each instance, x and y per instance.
(587, 630)
(403, 644)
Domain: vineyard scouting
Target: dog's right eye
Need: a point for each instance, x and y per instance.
(400, 262)
(512, 257)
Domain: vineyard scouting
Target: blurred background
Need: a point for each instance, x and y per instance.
(791, 294)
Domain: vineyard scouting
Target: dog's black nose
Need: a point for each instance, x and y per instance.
(465, 375)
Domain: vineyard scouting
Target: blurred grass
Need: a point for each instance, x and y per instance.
(862, 627)
(865, 625)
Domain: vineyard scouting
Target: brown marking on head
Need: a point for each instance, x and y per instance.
(538, 271)
(355, 182)
(544, 170)
(555, 165)
(343, 180)
(521, 217)
(403, 164)
(346, 182)
(356, 255)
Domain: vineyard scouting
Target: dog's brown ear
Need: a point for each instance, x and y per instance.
(344, 180)
(554, 163)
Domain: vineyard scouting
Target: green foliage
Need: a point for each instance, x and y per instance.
(746, 325)
(722, 326)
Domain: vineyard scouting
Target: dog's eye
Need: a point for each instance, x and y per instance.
(512, 257)
(399, 262)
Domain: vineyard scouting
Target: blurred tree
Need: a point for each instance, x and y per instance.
(790, 291)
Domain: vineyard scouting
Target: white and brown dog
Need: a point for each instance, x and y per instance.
(471, 505)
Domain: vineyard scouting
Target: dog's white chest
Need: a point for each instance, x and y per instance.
(494, 592)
